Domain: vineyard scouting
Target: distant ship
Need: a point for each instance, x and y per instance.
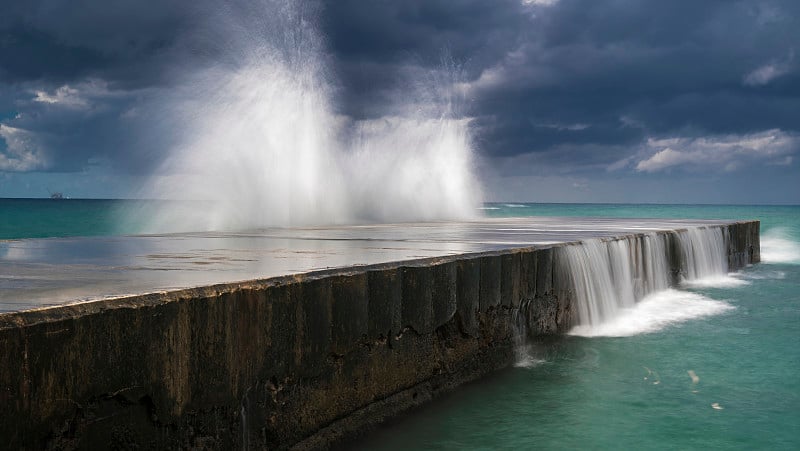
(55, 195)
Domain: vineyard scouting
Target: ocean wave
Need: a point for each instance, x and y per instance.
(777, 246)
(654, 313)
(514, 205)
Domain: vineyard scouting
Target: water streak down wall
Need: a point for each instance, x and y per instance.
(293, 361)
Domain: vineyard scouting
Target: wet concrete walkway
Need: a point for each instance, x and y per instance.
(44, 272)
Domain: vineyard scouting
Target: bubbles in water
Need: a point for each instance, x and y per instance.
(256, 135)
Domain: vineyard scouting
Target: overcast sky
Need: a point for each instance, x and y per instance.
(570, 100)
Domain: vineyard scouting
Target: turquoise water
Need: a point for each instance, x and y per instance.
(596, 393)
(40, 218)
(43, 218)
(636, 392)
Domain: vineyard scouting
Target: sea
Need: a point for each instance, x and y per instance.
(726, 378)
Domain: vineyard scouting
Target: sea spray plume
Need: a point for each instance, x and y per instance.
(407, 169)
(255, 136)
(253, 131)
(416, 163)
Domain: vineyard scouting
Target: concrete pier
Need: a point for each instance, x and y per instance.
(278, 338)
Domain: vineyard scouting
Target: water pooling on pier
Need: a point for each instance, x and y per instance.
(627, 384)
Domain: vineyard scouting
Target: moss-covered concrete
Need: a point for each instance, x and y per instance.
(299, 361)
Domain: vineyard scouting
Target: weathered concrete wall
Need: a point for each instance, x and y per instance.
(744, 245)
(302, 360)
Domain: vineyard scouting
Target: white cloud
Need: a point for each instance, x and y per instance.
(726, 152)
(664, 159)
(768, 72)
(78, 97)
(515, 67)
(764, 74)
(489, 78)
(22, 151)
(65, 95)
(620, 164)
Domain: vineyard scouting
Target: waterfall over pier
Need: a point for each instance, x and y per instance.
(610, 275)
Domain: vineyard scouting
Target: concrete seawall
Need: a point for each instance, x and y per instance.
(303, 360)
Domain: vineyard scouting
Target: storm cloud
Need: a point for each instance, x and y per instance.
(596, 100)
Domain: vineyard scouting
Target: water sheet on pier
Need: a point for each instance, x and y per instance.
(43, 272)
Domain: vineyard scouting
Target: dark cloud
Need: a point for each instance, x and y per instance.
(573, 85)
(384, 31)
(582, 75)
(27, 54)
(670, 67)
(376, 43)
(61, 42)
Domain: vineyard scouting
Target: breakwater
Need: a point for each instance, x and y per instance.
(308, 359)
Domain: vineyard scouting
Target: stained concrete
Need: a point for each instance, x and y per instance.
(337, 329)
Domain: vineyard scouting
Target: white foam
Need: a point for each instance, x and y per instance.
(654, 313)
(778, 247)
(729, 280)
(529, 362)
(525, 358)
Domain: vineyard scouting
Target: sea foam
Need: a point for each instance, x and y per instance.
(653, 313)
(777, 246)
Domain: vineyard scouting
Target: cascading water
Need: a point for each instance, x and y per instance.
(703, 253)
(597, 293)
(655, 265)
(611, 279)
(256, 136)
